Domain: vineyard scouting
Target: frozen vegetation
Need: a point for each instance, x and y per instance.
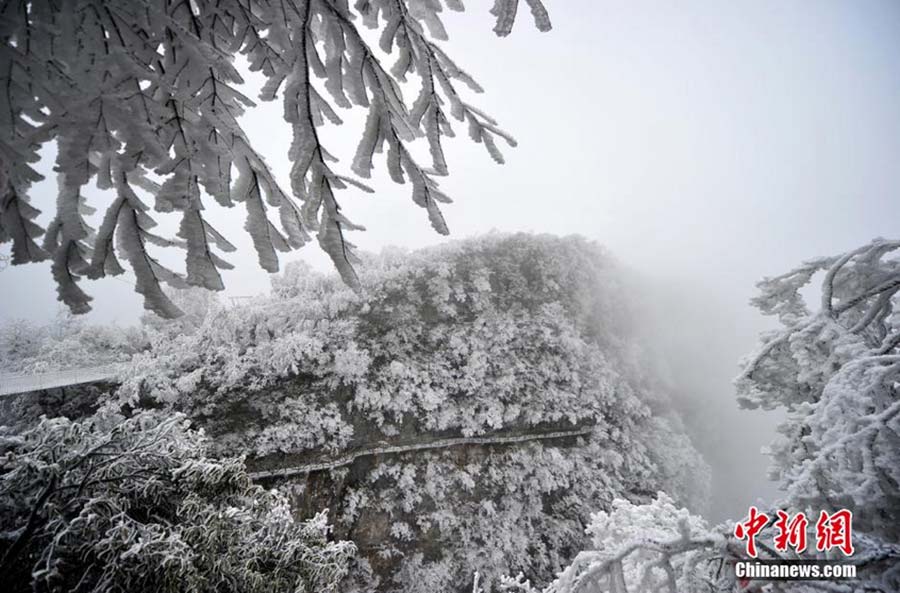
(504, 335)
(482, 406)
(109, 503)
(500, 340)
(67, 343)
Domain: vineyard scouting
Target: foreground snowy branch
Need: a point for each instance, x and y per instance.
(836, 372)
(144, 96)
(658, 547)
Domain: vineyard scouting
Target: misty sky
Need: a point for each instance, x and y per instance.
(707, 144)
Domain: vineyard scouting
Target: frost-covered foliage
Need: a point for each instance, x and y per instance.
(836, 372)
(658, 547)
(662, 521)
(68, 342)
(494, 510)
(642, 548)
(502, 335)
(20, 340)
(109, 504)
(65, 343)
(196, 304)
(472, 336)
(144, 96)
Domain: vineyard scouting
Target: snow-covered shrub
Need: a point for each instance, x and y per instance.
(109, 504)
(68, 342)
(65, 343)
(501, 335)
(20, 340)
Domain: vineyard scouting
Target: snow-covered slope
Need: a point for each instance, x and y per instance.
(489, 339)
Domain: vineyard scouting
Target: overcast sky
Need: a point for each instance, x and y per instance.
(706, 143)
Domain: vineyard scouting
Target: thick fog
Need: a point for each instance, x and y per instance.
(706, 144)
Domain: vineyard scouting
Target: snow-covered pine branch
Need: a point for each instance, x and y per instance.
(130, 88)
(836, 372)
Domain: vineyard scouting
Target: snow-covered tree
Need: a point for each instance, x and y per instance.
(109, 504)
(144, 96)
(20, 341)
(836, 372)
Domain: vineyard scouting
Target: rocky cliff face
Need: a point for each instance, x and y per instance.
(418, 411)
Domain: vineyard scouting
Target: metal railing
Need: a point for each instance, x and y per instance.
(14, 383)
